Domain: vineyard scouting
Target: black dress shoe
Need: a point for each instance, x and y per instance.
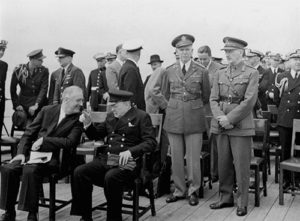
(172, 198)
(32, 216)
(241, 211)
(8, 216)
(219, 205)
(193, 199)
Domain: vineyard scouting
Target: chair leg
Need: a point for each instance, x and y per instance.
(135, 215)
(257, 183)
(151, 197)
(52, 199)
(269, 162)
(281, 187)
(276, 166)
(41, 194)
(264, 176)
(201, 192)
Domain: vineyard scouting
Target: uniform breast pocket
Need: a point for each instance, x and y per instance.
(173, 85)
(223, 88)
(194, 85)
(240, 85)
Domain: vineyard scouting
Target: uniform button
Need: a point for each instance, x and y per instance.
(111, 138)
(113, 132)
(288, 110)
(123, 139)
(109, 145)
(298, 111)
(121, 145)
(123, 135)
(289, 92)
(298, 102)
(288, 101)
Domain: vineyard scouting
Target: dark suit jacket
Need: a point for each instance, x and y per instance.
(97, 86)
(289, 102)
(54, 77)
(130, 80)
(132, 132)
(73, 76)
(3, 71)
(66, 135)
(33, 90)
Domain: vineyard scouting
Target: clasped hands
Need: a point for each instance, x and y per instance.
(224, 122)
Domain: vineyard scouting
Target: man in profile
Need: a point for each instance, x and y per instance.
(56, 127)
(129, 134)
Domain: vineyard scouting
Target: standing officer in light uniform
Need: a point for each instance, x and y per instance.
(232, 99)
(187, 89)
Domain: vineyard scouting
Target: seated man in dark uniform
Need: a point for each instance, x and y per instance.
(129, 134)
(55, 127)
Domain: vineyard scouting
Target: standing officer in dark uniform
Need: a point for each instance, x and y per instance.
(232, 99)
(97, 89)
(53, 79)
(187, 90)
(287, 96)
(3, 71)
(69, 74)
(33, 81)
(129, 134)
(130, 76)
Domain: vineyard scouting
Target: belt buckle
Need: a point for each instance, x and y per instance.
(229, 99)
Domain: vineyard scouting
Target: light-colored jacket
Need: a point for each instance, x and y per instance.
(152, 103)
(185, 96)
(234, 94)
(112, 74)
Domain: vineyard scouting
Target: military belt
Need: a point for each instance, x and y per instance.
(231, 100)
(185, 97)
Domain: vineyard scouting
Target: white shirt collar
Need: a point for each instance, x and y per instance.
(209, 63)
(256, 66)
(293, 73)
(187, 65)
(66, 68)
(62, 115)
(133, 61)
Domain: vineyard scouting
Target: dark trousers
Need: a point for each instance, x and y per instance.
(2, 109)
(285, 135)
(32, 177)
(214, 157)
(113, 180)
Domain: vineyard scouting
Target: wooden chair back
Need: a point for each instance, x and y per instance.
(296, 133)
(157, 120)
(262, 131)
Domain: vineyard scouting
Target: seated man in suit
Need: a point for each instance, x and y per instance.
(129, 134)
(55, 127)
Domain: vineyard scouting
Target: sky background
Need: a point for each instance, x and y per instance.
(91, 26)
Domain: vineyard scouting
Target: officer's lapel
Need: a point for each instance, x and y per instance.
(125, 120)
(53, 118)
(292, 83)
(191, 70)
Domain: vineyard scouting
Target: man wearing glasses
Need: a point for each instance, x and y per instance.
(69, 74)
(32, 79)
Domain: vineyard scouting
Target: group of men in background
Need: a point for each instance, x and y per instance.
(185, 93)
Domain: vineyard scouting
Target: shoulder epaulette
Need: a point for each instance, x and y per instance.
(250, 67)
(170, 66)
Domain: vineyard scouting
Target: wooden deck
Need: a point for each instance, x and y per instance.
(269, 209)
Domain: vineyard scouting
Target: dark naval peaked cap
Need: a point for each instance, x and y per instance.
(233, 43)
(183, 40)
(62, 52)
(36, 54)
(119, 95)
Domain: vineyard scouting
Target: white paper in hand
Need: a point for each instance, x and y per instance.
(39, 157)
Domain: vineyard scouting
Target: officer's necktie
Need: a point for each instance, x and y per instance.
(183, 69)
(62, 75)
